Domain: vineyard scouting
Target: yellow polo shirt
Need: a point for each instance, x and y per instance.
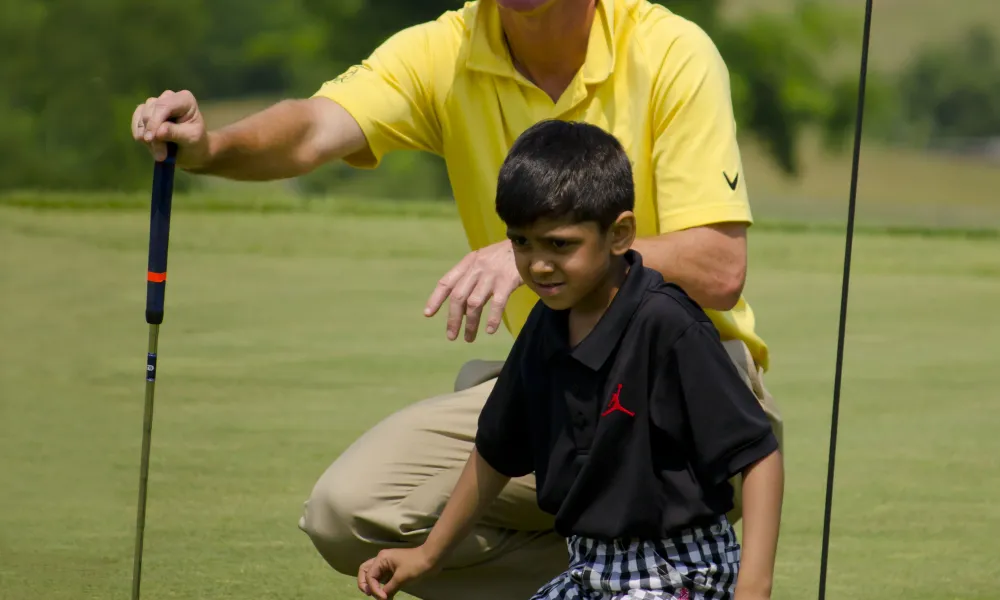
(651, 78)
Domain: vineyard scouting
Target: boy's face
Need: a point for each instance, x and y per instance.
(568, 263)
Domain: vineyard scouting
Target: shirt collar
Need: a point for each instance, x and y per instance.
(488, 50)
(595, 349)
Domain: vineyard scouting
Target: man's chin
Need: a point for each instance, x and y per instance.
(526, 7)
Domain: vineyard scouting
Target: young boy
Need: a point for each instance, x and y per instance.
(618, 395)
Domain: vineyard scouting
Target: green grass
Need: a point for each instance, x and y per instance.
(896, 186)
(289, 331)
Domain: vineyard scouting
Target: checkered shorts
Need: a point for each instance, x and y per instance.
(698, 564)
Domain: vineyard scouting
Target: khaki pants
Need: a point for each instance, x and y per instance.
(387, 489)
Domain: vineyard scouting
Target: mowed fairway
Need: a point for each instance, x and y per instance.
(289, 333)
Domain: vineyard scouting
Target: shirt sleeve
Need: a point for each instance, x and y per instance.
(699, 171)
(503, 437)
(724, 423)
(391, 94)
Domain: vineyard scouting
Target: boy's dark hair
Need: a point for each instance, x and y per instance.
(562, 169)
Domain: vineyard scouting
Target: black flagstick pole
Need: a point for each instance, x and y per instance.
(843, 298)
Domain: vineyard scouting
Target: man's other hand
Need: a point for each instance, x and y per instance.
(487, 273)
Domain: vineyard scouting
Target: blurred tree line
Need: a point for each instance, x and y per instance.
(951, 93)
(73, 72)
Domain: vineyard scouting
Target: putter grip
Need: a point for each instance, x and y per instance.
(159, 235)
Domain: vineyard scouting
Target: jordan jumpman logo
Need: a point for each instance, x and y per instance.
(616, 404)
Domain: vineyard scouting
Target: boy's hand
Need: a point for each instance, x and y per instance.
(386, 574)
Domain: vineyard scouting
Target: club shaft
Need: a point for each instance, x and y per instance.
(147, 432)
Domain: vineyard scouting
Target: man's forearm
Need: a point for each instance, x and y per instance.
(763, 490)
(477, 488)
(708, 262)
(285, 140)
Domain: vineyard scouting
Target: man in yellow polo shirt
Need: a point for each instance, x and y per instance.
(464, 86)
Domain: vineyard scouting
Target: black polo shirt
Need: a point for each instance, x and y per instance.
(636, 431)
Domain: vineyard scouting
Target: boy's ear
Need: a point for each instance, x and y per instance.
(622, 233)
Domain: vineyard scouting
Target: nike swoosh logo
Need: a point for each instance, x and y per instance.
(732, 182)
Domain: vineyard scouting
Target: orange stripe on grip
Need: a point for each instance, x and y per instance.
(156, 277)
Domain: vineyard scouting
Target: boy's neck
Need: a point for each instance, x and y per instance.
(585, 315)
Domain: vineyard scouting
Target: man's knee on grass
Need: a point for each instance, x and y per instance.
(329, 518)
(344, 517)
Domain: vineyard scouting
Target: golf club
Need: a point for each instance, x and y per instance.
(156, 283)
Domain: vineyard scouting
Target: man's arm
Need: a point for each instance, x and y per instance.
(383, 104)
(702, 203)
(285, 140)
(708, 262)
(763, 488)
